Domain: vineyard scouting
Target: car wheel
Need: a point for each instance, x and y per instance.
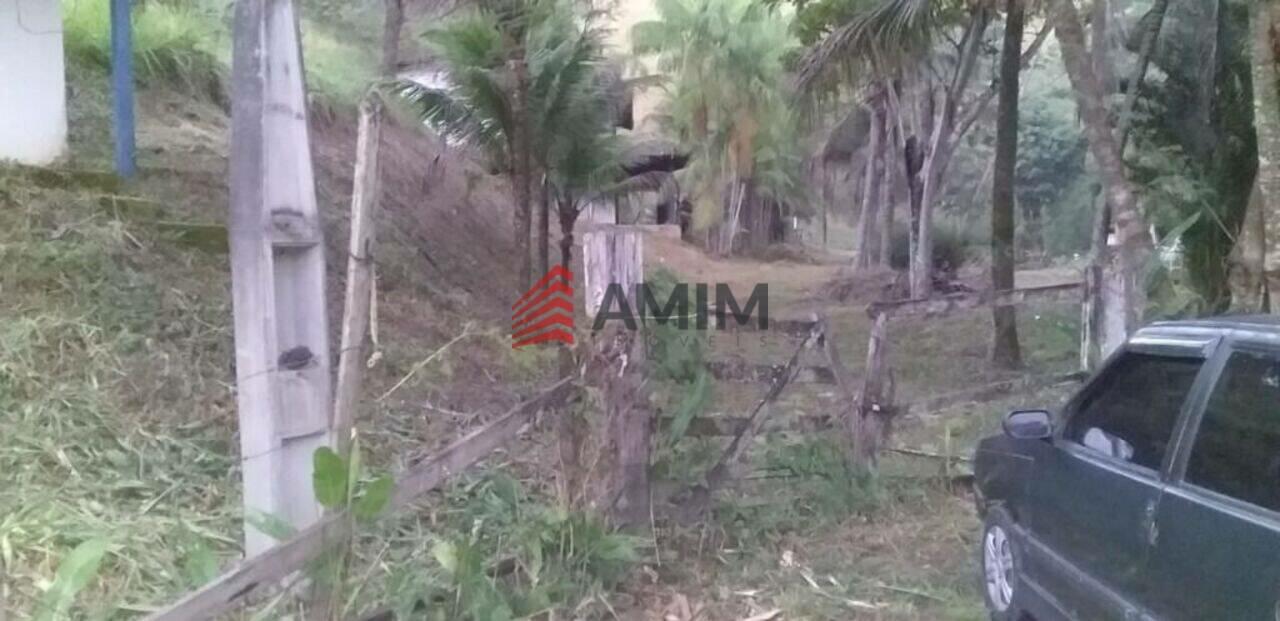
(1001, 566)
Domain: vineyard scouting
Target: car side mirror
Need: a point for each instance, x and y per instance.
(1028, 425)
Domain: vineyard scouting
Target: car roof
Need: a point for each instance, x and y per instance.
(1264, 327)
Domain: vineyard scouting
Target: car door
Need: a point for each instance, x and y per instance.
(1096, 489)
(1217, 552)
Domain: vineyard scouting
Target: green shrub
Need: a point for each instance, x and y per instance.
(952, 248)
(505, 555)
(172, 44)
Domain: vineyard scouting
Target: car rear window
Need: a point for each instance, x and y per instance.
(1237, 449)
(1130, 413)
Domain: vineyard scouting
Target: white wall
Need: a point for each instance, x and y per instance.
(33, 101)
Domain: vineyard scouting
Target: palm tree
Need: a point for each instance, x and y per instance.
(568, 105)
(506, 68)
(473, 101)
(725, 64)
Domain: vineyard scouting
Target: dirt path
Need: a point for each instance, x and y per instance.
(797, 284)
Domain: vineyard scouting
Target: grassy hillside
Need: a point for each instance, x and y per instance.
(116, 390)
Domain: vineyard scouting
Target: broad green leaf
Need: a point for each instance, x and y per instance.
(200, 566)
(533, 560)
(329, 478)
(74, 574)
(374, 499)
(506, 489)
(353, 470)
(273, 526)
(446, 554)
(690, 406)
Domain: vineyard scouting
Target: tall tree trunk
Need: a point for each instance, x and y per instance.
(570, 423)
(1262, 228)
(1005, 352)
(1131, 231)
(887, 177)
(867, 218)
(828, 195)
(392, 24)
(522, 157)
(921, 275)
(1100, 44)
(938, 152)
(1233, 158)
(544, 226)
(1155, 22)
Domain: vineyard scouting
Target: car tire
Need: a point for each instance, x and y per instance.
(1001, 561)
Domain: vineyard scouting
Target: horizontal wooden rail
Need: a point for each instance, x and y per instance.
(795, 328)
(278, 562)
(746, 372)
(932, 307)
(721, 426)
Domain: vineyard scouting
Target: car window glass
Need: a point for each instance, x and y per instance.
(1237, 449)
(1130, 412)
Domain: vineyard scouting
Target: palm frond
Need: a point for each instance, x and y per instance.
(884, 34)
(646, 182)
(457, 118)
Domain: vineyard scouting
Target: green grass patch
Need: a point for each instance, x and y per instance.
(338, 70)
(492, 548)
(115, 406)
(174, 45)
(188, 47)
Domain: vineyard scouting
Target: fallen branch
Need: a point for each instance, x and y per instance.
(466, 331)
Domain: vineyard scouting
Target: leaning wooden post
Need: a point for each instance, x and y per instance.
(278, 272)
(613, 264)
(867, 423)
(355, 322)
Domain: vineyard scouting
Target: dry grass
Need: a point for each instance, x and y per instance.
(806, 541)
(116, 381)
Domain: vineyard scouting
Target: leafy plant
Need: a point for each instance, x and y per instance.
(728, 104)
(172, 44)
(678, 359)
(187, 45)
(953, 246)
(676, 354)
(504, 555)
(339, 484)
(75, 572)
(829, 486)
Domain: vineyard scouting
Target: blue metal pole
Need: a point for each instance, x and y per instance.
(122, 86)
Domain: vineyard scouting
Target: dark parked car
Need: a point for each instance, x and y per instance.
(1153, 494)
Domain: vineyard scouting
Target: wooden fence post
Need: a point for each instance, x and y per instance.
(355, 322)
(611, 254)
(278, 272)
(614, 255)
(868, 422)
